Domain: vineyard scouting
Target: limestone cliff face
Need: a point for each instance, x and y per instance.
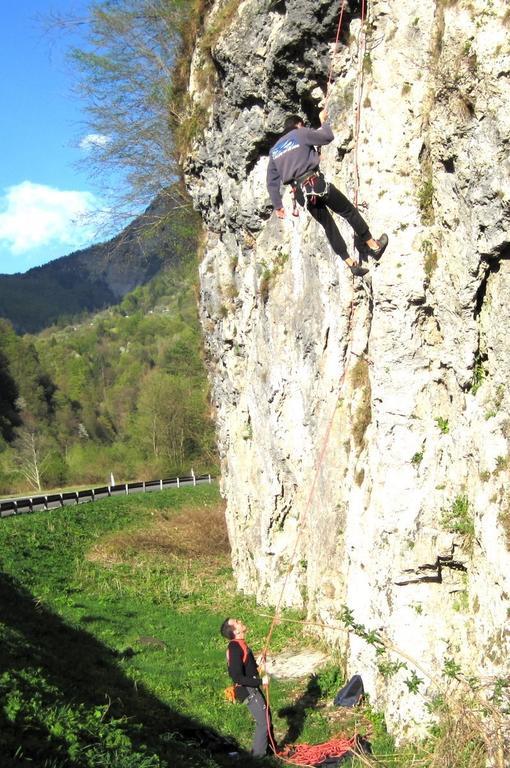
(364, 425)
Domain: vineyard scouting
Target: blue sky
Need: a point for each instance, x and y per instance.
(44, 198)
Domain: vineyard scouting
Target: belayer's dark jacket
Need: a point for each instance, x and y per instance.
(244, 673)
(293, 155)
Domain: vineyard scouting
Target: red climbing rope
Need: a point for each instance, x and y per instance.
(314, 754)
(309, 755)
(357, 117)
(351, 311)
(338, 30)
(308, 505)
(357, 113)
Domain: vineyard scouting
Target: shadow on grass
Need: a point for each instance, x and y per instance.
(296, 714)
(48, 666)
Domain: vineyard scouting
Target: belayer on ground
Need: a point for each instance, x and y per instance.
(247, 679)
(244, 672)
(294, 160)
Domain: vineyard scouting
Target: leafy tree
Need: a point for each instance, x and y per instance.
(162, 416)
(66, 421)
(9, 417)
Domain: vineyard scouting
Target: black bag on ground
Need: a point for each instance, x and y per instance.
(351, 693)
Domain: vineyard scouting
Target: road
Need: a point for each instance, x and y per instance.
(9, 507)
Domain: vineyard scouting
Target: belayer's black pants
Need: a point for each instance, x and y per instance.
(338, 203)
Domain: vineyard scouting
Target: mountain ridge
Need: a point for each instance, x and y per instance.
(93, 278)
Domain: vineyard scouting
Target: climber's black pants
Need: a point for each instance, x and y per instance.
(338, 203)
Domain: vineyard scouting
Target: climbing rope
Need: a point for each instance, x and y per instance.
(361, 49)
(305, 754)
(330, 74)
(311, 493)
(314, 754)
(349, 325)
(309, 755)
(357, 112)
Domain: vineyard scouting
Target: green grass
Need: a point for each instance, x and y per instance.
(80, 682)
(111, 654)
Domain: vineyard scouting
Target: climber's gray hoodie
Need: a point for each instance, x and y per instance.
(293, 155)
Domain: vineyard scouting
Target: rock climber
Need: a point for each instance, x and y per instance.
(294, 160)
(243, 670)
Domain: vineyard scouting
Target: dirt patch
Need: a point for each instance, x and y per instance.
(195, 533)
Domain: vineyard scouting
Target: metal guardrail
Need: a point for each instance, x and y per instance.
(54, 500)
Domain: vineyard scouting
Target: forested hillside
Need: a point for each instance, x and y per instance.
(124, 391)
(101, 275)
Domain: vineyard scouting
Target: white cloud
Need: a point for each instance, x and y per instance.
(94, 140)
(35, 215)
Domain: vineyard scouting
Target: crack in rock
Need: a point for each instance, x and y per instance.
(442, 561)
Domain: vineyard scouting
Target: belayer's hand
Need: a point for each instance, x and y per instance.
(265, 680)
(323, 116)
(280, 212)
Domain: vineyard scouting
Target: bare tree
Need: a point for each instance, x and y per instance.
(30, 455)
(124, 76)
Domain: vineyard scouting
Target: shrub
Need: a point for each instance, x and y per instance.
(459, 518)
(443, 425)
(504, 519)
(269, 274)
(417, 458)
(426, 199)
(479, 374)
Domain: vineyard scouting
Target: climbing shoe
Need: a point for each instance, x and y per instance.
(358, 271)
(383, 242)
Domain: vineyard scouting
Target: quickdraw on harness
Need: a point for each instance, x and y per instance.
(230, 690)
(311, 185)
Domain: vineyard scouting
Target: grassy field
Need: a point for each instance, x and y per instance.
(111, 654)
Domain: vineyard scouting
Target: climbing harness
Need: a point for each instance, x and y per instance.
(309, 187)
